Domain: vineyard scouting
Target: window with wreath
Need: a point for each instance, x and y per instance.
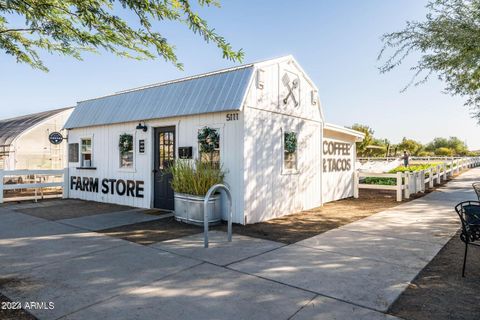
(209, 145)
(125, 147)
(290, 151)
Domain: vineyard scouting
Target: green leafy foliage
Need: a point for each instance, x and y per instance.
(290, 142)
(208, 139)
(195, 178)
(448, 43)
(411, 146)
(412, 168)
(125, 143)
(376, 147)
(447, 147)
(367, 140)
(71, 27)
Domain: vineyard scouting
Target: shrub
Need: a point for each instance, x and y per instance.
(381, 181)
(426, 154)
(393, 181)
(444, 152)
(195, 178)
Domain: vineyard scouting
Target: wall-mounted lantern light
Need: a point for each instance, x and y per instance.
(142, 127)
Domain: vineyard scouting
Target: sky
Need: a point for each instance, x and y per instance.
(336, 42)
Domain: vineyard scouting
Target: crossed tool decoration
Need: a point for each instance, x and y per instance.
(286, 83)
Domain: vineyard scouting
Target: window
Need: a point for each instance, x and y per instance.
(125, 148)
(290, 151)
(166, 140)
(86, 152)
(209, 145)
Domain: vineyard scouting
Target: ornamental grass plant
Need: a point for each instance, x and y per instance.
(195, 177)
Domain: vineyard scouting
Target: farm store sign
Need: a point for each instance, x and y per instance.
(336, 156)
(128, 188)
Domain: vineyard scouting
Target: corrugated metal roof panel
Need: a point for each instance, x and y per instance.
(13, 127)
(215, 92)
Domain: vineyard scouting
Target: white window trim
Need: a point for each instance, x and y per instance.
(91, 152)
(286, 171)
(134, 166)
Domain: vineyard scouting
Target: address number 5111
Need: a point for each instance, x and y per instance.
(232, 116)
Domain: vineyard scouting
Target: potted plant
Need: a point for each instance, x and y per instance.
(190, 183)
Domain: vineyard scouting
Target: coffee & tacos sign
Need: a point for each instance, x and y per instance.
(337, 156)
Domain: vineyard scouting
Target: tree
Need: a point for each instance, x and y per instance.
(411, 146)
(367, 140)
(449, 45)
(439, 145)
(72, 27)
(443, 151)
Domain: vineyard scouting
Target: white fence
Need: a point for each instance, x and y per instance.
(408, 183)
(31, 179)
(414, 158)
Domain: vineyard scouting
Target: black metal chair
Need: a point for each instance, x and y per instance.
(469, 213)
(476, 187)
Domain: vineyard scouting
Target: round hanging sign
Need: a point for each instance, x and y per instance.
(55, 137)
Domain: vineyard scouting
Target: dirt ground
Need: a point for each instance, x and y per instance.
(70, 208)
(287, 229)
(439, 292)
(153, 231)
(299, 226)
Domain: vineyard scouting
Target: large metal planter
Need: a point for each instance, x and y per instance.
(189, 209)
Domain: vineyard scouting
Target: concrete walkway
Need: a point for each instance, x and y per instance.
(353, 272)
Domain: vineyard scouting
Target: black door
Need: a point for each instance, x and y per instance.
(164, 157)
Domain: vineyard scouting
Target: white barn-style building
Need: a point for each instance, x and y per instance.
(24, 142)
(254, 108)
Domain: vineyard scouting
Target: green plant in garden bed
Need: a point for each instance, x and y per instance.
(381, 181)
(416, 167)
(393, 181)
(196, 177)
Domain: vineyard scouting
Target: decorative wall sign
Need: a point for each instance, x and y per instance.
(55, 137)
(141, 146)
(128, 188)
(292, 86)
(336, 156)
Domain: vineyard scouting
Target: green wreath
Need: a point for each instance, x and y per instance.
(208, 139)
(290, 142)
(126, 143)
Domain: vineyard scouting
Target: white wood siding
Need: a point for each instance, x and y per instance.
(338, 184)
(269, 191)
(105, 155)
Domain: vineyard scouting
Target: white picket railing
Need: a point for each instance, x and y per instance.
(408, 183)
(36, 179)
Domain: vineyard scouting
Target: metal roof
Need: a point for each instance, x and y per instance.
(217, 91)
(13, 127)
